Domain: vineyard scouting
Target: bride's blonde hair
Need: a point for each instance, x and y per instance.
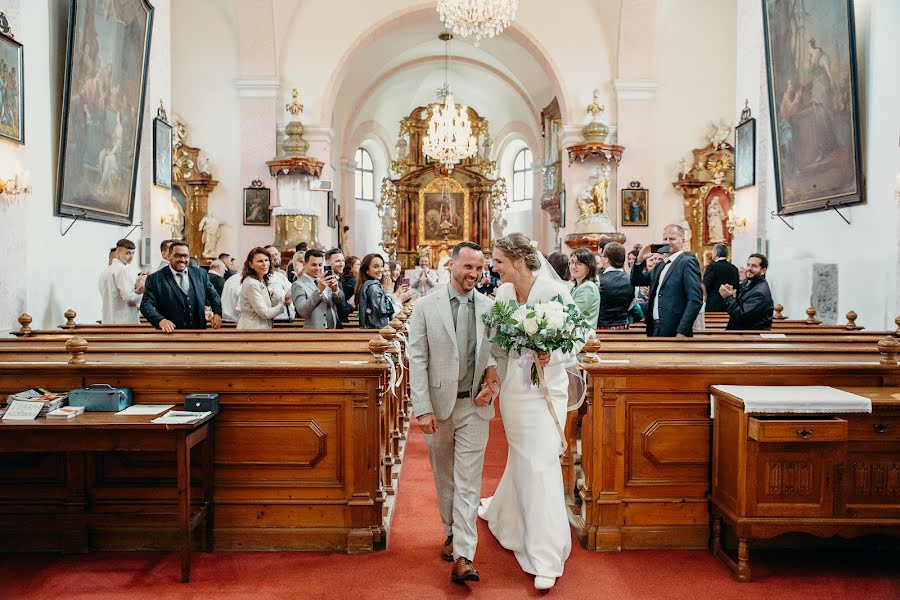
(519, 245)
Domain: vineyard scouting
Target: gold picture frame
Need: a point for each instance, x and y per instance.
(439, 212)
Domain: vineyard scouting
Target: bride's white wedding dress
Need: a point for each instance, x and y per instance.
(527, 514)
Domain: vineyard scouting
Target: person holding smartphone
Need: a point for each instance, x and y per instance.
(317, 293)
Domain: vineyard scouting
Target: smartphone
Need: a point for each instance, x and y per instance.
(405, 281)
(328, 270)
(654, 248)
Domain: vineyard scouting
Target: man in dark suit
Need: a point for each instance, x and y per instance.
(675, 289)
(718, 274)
(176, 296)
(750, 306)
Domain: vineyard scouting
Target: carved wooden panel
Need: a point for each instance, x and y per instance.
(791, 481)
(872, 483)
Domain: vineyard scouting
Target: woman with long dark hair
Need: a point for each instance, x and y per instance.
(375, 303)
(583, 270)
(259, 307)
(348, 279)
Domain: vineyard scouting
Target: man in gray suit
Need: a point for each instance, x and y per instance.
(423, 279)
(452, 381)
(317, 293)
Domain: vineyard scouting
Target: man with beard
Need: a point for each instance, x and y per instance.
(750, 306)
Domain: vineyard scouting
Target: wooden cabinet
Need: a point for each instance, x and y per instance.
(825, 475)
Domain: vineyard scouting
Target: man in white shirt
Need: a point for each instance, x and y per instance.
(278, 281)
(164, 248)
(121, 288)
(231, 299)
(423, 279)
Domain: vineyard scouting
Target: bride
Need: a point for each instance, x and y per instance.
(527, 514)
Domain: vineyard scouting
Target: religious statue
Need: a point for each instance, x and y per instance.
(719, 132)
(176, 226)
(211, 230)
(715, 217)
(593, 206)
(684, 167)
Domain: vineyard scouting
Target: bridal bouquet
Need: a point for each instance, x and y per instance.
(539, 327)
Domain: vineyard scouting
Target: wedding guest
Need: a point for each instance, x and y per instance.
(630, 260)
(335, 259)
(560, 264)
(217, 275)
(164, 247)
(395, 270)
(423, 279)
(176, 297)
(316, 294)
(278, 282)
(582, 268)
(716, 275)
(616, 292)
(750, 306)
(231, 265)
(259, 304)
(349, 278)
(231, 299)
(489, 281)
(121, 289)
(376, 305)
(297, 261)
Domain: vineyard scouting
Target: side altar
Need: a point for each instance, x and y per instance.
(425, 209)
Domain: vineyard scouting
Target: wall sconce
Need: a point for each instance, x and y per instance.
(15, 186)
(735, 222)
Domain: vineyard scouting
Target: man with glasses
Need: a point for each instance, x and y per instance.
(176, 296)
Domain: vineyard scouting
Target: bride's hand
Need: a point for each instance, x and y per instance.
(484, 396)
(543, 358)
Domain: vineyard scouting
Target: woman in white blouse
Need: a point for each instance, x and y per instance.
(258, 306)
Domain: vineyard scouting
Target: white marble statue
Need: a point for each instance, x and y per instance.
(715, 218)
(211, 230)
(719, 132)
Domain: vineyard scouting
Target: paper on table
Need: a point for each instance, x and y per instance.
(614, 360)
(22, 410)
(144, 409)
(772, 336)
(177, 417)
(353, 362)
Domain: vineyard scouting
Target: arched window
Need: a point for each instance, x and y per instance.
(365, 176)
(523, 178)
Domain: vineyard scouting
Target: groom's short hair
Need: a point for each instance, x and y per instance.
(470, 245)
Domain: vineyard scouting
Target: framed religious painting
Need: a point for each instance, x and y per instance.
(162, 149)
(635, 205)
(108, 48)
(12, 88)
(256, 204)
(443, 212)
(745, 150)
(562, 208)
(331, 210)
(812, 84)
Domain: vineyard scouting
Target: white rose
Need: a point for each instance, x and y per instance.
(530, 326)
(556, 320)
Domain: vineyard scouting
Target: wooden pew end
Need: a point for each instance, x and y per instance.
(76, 346)
(888, 347)
(811, 316)
(70, 319)
(778, 316)
(25, 322)
(590, 350)
(379, 347)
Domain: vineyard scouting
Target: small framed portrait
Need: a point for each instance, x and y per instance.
(635, 205)
(12, 90)
(745, 151)
(256, 204)
(562, 208)
(162, 149)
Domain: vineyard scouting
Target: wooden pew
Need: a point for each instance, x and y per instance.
(326, 492)
(645, 436)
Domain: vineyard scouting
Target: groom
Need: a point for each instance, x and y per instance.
(451, 382)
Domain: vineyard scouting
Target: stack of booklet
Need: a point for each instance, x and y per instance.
(49, 401)
(65, 412)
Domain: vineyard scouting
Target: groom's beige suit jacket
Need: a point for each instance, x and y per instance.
(434, 358)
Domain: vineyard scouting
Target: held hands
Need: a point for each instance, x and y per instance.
(167, 326)
(726, 290)
(428, 423)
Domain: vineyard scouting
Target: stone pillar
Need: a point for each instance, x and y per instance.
(347, 190)
(635, 99)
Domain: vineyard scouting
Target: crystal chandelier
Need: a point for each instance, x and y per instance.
(481, 18)
(449, 139)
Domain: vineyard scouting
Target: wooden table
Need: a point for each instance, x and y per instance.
(107, 432)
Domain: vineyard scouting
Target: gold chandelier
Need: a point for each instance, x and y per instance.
(449, 139)
(481, 18)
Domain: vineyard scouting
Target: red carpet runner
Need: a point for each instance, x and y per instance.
(411, 567)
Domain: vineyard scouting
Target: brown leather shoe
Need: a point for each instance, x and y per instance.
(463, 571)
(447, 549)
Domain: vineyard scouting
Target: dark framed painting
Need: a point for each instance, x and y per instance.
(256, 206)
(332, 210)
(108, 48)
(12, 90)
(812, 81)
(635, 207)
(745, 154)
(162, 150)
(562, 208)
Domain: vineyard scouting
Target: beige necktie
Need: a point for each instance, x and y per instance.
(462, 333)
(182, 282)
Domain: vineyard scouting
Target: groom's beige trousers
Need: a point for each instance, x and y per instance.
(456, 451)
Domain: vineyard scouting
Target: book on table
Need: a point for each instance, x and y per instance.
(65, 412)
(49, 401)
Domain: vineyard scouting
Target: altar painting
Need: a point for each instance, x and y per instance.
(443, 212)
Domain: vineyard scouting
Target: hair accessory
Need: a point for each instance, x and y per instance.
(533, 244)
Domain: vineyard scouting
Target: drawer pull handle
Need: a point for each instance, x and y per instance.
(804, 433)
(880, 427)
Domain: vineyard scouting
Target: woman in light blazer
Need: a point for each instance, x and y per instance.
(585, 294)
(258, 307)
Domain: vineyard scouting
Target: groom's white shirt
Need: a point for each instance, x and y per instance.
(434, 357)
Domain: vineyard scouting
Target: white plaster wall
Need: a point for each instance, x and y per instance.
(866, 252)
(204, 49)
